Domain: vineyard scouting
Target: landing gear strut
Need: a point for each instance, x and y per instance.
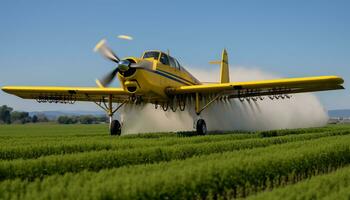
(114, 125)
(200, 125)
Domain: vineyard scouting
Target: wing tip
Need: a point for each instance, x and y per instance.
(341, 80)
(5, 88)
(337, 79)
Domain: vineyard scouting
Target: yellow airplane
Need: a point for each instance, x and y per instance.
(159, 78)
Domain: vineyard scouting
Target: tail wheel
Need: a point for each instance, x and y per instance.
(115, 128)
(201, 127)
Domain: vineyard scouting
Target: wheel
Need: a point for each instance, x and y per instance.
(115, 127)
(201, 127)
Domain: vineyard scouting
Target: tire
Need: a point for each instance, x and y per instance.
(201, 127)
(115, 128)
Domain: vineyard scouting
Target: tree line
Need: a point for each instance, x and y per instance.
(82, 119)
(8, 116)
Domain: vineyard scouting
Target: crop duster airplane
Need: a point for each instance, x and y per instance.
(160, 79)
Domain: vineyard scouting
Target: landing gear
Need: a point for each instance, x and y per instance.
(201, 127)
(107, 105)
(115, 127)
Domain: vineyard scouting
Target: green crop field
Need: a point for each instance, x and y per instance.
(49, 161)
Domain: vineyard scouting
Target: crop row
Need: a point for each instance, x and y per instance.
(35, 148)
(51, 133)
(18, 147)
(335, 185)
(32, 130)
(231, 174)
(273, 133)
(95, 161)
(38, 149)
(11, 141)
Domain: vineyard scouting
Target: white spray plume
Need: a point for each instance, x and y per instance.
(300, 111)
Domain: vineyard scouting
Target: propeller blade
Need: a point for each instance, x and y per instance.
(108, 78)
(125, 37)
(105, 51)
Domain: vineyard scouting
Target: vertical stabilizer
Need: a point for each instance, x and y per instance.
(224, 71)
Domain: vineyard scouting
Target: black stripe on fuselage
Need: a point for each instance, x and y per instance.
(166, 76)
(176, 76)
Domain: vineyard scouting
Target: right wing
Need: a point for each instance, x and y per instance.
(67, 94)
(264, 87)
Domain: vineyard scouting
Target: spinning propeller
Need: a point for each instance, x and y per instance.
(122, 65)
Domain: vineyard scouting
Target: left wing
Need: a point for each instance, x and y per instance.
(66, 94)
(265, 87)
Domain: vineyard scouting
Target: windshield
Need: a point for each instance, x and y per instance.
(151, 54)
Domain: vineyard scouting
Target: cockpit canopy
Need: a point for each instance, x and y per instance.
(163, 58)
(151, 54)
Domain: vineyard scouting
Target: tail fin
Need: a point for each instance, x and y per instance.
(224, 71)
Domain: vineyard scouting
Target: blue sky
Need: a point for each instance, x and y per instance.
(50, 42)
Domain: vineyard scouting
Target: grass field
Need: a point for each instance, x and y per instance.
(49, 161)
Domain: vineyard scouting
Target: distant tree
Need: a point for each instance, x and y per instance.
(87, 119)
(102, 119)
(34, 119)
(67, 120)
(82, 119)
(20, 117)
(42, 117)
(62, 119)
(15, 116)
(5, 114)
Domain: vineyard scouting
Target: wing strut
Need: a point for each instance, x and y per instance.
(199, 109)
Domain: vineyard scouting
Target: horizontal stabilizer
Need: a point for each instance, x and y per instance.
(215, 62)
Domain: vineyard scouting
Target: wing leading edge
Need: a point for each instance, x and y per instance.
(66, 94)
(265, 87)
